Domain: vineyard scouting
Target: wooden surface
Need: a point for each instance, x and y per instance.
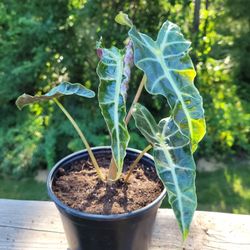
(36, 225)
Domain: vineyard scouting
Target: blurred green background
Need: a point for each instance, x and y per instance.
(44, 42)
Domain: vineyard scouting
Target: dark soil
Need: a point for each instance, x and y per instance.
(81, 189)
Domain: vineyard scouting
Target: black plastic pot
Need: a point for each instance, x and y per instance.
(84, 231)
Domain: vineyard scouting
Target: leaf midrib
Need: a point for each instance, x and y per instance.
(116, 105)
(179, 96)
(176, 184)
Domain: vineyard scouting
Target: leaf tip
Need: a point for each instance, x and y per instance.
(91, 93)
(185, 234)
(99, 50)
(19, 107)
(123, 19)
(19, 103)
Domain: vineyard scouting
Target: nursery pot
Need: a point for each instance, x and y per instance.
(85, 231)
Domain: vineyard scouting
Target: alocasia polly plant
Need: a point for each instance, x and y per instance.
(168, 71)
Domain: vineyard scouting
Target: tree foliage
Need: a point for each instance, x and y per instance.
(46, 42)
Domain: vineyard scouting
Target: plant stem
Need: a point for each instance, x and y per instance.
(78, 130)
(112, 171)
(137, 96)
(112, 167)
(132, 166)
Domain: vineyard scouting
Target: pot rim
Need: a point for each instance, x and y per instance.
(98, 217)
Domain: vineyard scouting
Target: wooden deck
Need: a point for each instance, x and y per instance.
(36, 225)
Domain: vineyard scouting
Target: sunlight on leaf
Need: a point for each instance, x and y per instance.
(170, 72)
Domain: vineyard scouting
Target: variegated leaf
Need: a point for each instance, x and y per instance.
(114, 73)
(174, 163)
(170, 73)
(64, 88)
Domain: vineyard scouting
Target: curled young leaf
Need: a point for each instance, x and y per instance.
(114, 73)
(64, 88)
(170, 72)
(123, 19)
(174, 163)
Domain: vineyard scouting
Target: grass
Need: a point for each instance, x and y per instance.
(225, 190)
(25, 189)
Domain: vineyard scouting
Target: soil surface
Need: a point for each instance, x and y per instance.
(81, 189)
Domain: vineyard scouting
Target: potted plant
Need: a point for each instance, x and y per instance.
(93, 220)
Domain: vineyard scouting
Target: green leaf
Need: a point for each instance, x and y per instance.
(114, 74)
(174, 163)
(64, 88)
(123, 19)
(170, 72)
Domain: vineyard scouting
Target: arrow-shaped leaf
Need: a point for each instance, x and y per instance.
(170, 73)
(174, 163)
(64, 88)
(114, 73)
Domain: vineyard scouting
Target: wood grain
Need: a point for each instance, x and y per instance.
(36, 225)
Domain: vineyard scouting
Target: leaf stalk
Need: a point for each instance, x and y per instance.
(136, 98)
(133, 165)
(78, 130)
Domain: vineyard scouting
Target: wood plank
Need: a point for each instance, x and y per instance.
(32, 225)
